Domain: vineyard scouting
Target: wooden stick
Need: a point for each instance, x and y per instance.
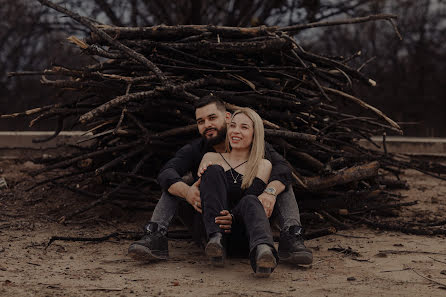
(295, 28)
(128, 51)
(404, 229)
(334, 220)
(176, 131)
(86, 156)
(410, 252)
(437, 260)
(344, 176)
(319, 233)
(139, 96)
(429, 279)
(182, 30)
(291, 135)
(107, 195)
(66, 238)
(367, 106)
(117, 161)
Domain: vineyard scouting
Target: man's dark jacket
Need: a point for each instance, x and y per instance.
(188, 159)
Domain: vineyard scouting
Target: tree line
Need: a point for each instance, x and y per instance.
(409, 72)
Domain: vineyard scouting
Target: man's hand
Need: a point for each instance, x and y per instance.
(224, 221)
(193, 196)
(203, 168)
(268, 202)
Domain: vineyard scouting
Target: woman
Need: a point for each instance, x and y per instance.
(232, 183)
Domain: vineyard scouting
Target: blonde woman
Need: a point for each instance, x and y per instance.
(231, 184)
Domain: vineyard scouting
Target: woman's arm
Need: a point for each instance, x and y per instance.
(258, 185)
(264, 170)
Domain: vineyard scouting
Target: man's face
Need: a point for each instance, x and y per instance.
(211, 123)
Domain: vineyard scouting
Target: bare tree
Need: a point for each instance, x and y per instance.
(409, 72)
(31, 38)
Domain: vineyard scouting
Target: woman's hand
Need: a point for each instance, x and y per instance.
(203, 168)
(268, 201)
(224, 221)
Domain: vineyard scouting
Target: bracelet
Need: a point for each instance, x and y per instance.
(275, 196)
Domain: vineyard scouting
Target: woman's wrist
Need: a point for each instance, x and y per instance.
(270, 191)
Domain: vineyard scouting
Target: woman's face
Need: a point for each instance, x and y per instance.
(241, 131)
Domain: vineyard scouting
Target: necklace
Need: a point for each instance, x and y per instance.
(234, 178)
(233, 168)
(238, 174)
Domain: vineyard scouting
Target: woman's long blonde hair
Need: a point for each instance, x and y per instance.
(257, 151)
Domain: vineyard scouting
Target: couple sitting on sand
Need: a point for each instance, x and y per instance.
(240, 182)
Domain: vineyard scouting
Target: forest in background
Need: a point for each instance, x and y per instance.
(409, 72)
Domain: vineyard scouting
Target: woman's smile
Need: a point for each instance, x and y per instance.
(235, 139)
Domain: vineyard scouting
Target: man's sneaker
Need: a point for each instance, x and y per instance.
(292, 248)
(265, 262)
(215, 250)
(152, 246)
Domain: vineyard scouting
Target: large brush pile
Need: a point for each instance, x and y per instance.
(137, 103)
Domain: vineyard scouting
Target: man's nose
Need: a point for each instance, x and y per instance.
(207, 123)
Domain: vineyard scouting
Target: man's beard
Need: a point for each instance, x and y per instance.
(217, 139)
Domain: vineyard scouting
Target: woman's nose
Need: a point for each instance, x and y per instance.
(236, 130)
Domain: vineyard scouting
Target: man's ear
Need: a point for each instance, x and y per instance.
(228, 117)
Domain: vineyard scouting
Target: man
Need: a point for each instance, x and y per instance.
(278, 198)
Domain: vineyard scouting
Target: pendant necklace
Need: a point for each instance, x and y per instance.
(234, 178)
(238, 174)
(233, 168)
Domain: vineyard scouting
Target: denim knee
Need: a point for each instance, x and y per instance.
(250, 201)
(213, 169)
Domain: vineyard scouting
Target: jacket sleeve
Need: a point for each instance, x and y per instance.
(178, 166)
(281, 171)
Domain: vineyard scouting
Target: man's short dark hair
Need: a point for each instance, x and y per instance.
(209, 99)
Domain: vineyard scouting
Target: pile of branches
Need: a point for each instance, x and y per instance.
(136, 104)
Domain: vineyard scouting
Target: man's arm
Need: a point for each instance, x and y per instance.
(279, 179)
(280, 173)
(179, 189)
(170, 177)
(173, 171)
(190, 193)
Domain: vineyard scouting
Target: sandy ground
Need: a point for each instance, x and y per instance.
(388, 263)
